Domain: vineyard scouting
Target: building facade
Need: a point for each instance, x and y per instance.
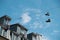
(18, 32)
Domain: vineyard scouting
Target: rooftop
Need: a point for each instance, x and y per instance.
(6, 17)
(34, 34)
(17, 24)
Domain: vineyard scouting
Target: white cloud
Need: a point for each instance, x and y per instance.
(26, 12)
(55, 32)
(25, 18)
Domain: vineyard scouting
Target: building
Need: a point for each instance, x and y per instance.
(18, 32)
(15, 31)
(12, 32)
(34, 36)
(4, 26)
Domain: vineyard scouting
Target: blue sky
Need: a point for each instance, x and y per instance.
(31, 14)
